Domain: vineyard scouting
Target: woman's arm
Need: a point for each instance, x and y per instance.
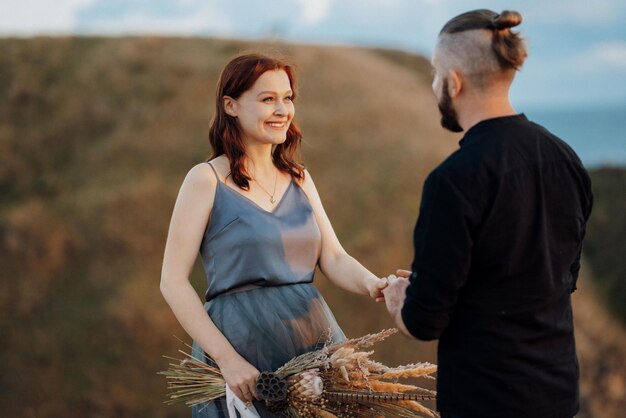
(187, 226)
(336, 264)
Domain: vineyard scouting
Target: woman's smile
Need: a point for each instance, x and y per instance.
(277, 125)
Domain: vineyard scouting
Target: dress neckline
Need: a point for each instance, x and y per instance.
(256, 205)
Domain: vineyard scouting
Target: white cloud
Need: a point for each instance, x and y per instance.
(598, 59)
(580, 12)
(612, 54)
(315, 11)
(34, 17)
(594, 64)
(29, 17)
(205, 18)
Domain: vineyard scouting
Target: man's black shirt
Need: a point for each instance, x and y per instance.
(497, 249)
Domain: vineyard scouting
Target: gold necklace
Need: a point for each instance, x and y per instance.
(271, 195)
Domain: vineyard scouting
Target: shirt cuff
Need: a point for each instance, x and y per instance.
(425, 326)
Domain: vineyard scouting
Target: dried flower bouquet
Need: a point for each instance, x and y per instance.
(337, 380)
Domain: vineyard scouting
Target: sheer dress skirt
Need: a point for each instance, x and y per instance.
(268, 326)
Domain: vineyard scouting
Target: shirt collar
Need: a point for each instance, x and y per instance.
(488, 124)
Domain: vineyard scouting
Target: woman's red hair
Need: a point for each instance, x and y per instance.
(225, 133)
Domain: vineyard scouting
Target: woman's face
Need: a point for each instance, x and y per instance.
(266, 110)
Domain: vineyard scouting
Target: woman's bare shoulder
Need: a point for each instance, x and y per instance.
(307, 185)
(200, 171)
(307, 180)
(221, 165)
(201, 177)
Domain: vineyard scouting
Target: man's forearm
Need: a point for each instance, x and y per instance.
(397, 317)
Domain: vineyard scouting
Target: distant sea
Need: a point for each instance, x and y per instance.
(597, 134)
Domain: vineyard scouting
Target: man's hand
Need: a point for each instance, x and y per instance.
(395, 293)
(403, 273)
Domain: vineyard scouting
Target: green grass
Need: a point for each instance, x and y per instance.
(606, 237)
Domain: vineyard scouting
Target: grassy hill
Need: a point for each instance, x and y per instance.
(96, 135)
(607, 235)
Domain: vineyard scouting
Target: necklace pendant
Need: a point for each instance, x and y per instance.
(272, 199)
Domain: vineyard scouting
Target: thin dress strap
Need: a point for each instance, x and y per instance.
(214, 171)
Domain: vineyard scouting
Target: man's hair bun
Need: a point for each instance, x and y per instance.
(506, 20)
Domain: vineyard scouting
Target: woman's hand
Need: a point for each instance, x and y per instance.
(375, 289)
(241, 377)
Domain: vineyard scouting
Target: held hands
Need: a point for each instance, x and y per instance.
(395, 292)
(377, 288)
(241, 377)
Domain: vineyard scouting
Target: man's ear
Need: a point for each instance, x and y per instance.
(455, 83)
(230, 106)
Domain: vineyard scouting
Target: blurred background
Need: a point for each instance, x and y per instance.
(105, 105)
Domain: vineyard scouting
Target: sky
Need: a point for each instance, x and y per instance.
(577, 47)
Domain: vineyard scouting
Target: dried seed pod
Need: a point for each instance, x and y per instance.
(273, 390)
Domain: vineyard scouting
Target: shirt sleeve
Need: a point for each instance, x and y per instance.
(443, 240)
(575, 267)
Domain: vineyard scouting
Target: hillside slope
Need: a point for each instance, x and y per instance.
(607, 236)
(96, 135)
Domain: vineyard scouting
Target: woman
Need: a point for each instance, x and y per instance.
(255, 216)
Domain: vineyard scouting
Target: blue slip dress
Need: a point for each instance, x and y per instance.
(260, 267)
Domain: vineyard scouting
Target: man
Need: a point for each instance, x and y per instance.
(498, 239)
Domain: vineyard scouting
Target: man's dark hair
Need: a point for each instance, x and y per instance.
(508, 47)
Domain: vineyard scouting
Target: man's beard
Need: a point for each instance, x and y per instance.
(449, 119)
